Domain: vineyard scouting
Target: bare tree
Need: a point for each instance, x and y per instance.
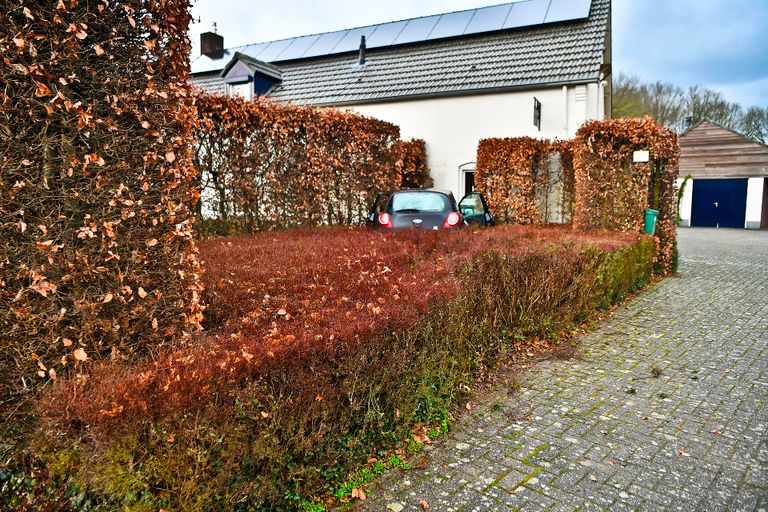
(705, 104)
(671, 105)
(755, 124)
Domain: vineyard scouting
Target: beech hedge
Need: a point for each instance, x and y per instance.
(612, 191)
(266, 165)
(324, 348)
(97, 257)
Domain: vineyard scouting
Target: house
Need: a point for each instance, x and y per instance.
(539, 68)
(729, 178)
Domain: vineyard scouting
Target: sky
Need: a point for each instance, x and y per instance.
(721, 44)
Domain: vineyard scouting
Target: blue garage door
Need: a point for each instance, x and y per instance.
(719, 203)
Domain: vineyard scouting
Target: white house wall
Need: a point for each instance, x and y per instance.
(754, 203)
(686, 202)
(453, 126)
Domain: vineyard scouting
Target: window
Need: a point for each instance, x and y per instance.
(419, 202)
(467, 176)
(241, 90)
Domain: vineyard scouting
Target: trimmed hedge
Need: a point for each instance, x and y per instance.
(612, 192)
(266, 165)
(325, 347)
(97, 256)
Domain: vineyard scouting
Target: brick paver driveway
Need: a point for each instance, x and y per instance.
(599, 431)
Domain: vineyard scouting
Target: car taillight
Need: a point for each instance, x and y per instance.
(453, 220)
(385, 220)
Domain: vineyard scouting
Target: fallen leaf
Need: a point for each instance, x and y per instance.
(28, 13)
(80, 354)
(151, 242)
(170, 157)
(142, 292)
(40, 373)
(359, 494)
(264, 414)
(716, 432)
(468, 406)
(107, 298)
(98, 49)
(282, 312)
(593, 478)
(424, 504)
(683, 453)
(67, 342)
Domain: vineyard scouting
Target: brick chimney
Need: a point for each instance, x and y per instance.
(212, 45)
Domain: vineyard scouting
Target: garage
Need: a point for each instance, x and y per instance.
(724, 178)
(719, 203)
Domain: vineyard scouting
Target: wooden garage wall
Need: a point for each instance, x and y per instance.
(710, 151)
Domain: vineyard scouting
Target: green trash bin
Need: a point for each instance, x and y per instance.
(650, 221)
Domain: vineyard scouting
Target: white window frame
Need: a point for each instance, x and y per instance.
(240, 90)
(463, 169)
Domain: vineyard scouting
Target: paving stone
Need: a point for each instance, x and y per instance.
(604, 433)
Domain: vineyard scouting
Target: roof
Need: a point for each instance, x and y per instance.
(709, 150)
(570, 51)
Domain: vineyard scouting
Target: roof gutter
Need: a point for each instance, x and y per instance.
(447, 94)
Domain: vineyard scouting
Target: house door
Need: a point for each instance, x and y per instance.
(719, 203)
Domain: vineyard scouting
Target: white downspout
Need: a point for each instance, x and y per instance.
(601, 99)
(565, 112)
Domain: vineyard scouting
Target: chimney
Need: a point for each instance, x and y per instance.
(361, 59)
(212, 45)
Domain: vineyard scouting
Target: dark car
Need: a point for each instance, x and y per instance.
(428, 209)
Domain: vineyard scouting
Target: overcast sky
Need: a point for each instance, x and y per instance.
(722, 44)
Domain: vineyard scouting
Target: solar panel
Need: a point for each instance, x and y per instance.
(325, 43)
(274, 49)
(565, 10)
(417, 29)
(525, 14)
(385, 34)
(522, 13)
(254, 50)
(488, 19)
(298, 47)
(351, 40)
(452, 24)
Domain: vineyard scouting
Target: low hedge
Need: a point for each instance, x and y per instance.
(323, 348)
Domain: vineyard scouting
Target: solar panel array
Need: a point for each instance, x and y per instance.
(523, 13)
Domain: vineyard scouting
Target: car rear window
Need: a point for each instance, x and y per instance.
(419, 202)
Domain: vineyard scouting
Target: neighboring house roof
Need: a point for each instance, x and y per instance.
(565, 52)
(709, 150)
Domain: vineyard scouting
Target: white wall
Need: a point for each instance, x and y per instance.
(453, 126)
(686, 202)
(754, 203)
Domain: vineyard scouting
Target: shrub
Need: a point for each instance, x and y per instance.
(95, 171)
(612, 192)
(323, 347)
(512, 174)
(412, 164)
(266, 165)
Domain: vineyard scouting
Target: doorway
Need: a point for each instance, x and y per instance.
(719, 203)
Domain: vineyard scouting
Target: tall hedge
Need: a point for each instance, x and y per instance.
(612, 191)
(514, 175)
(97, 256)
(266, 165)
(412, 164)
